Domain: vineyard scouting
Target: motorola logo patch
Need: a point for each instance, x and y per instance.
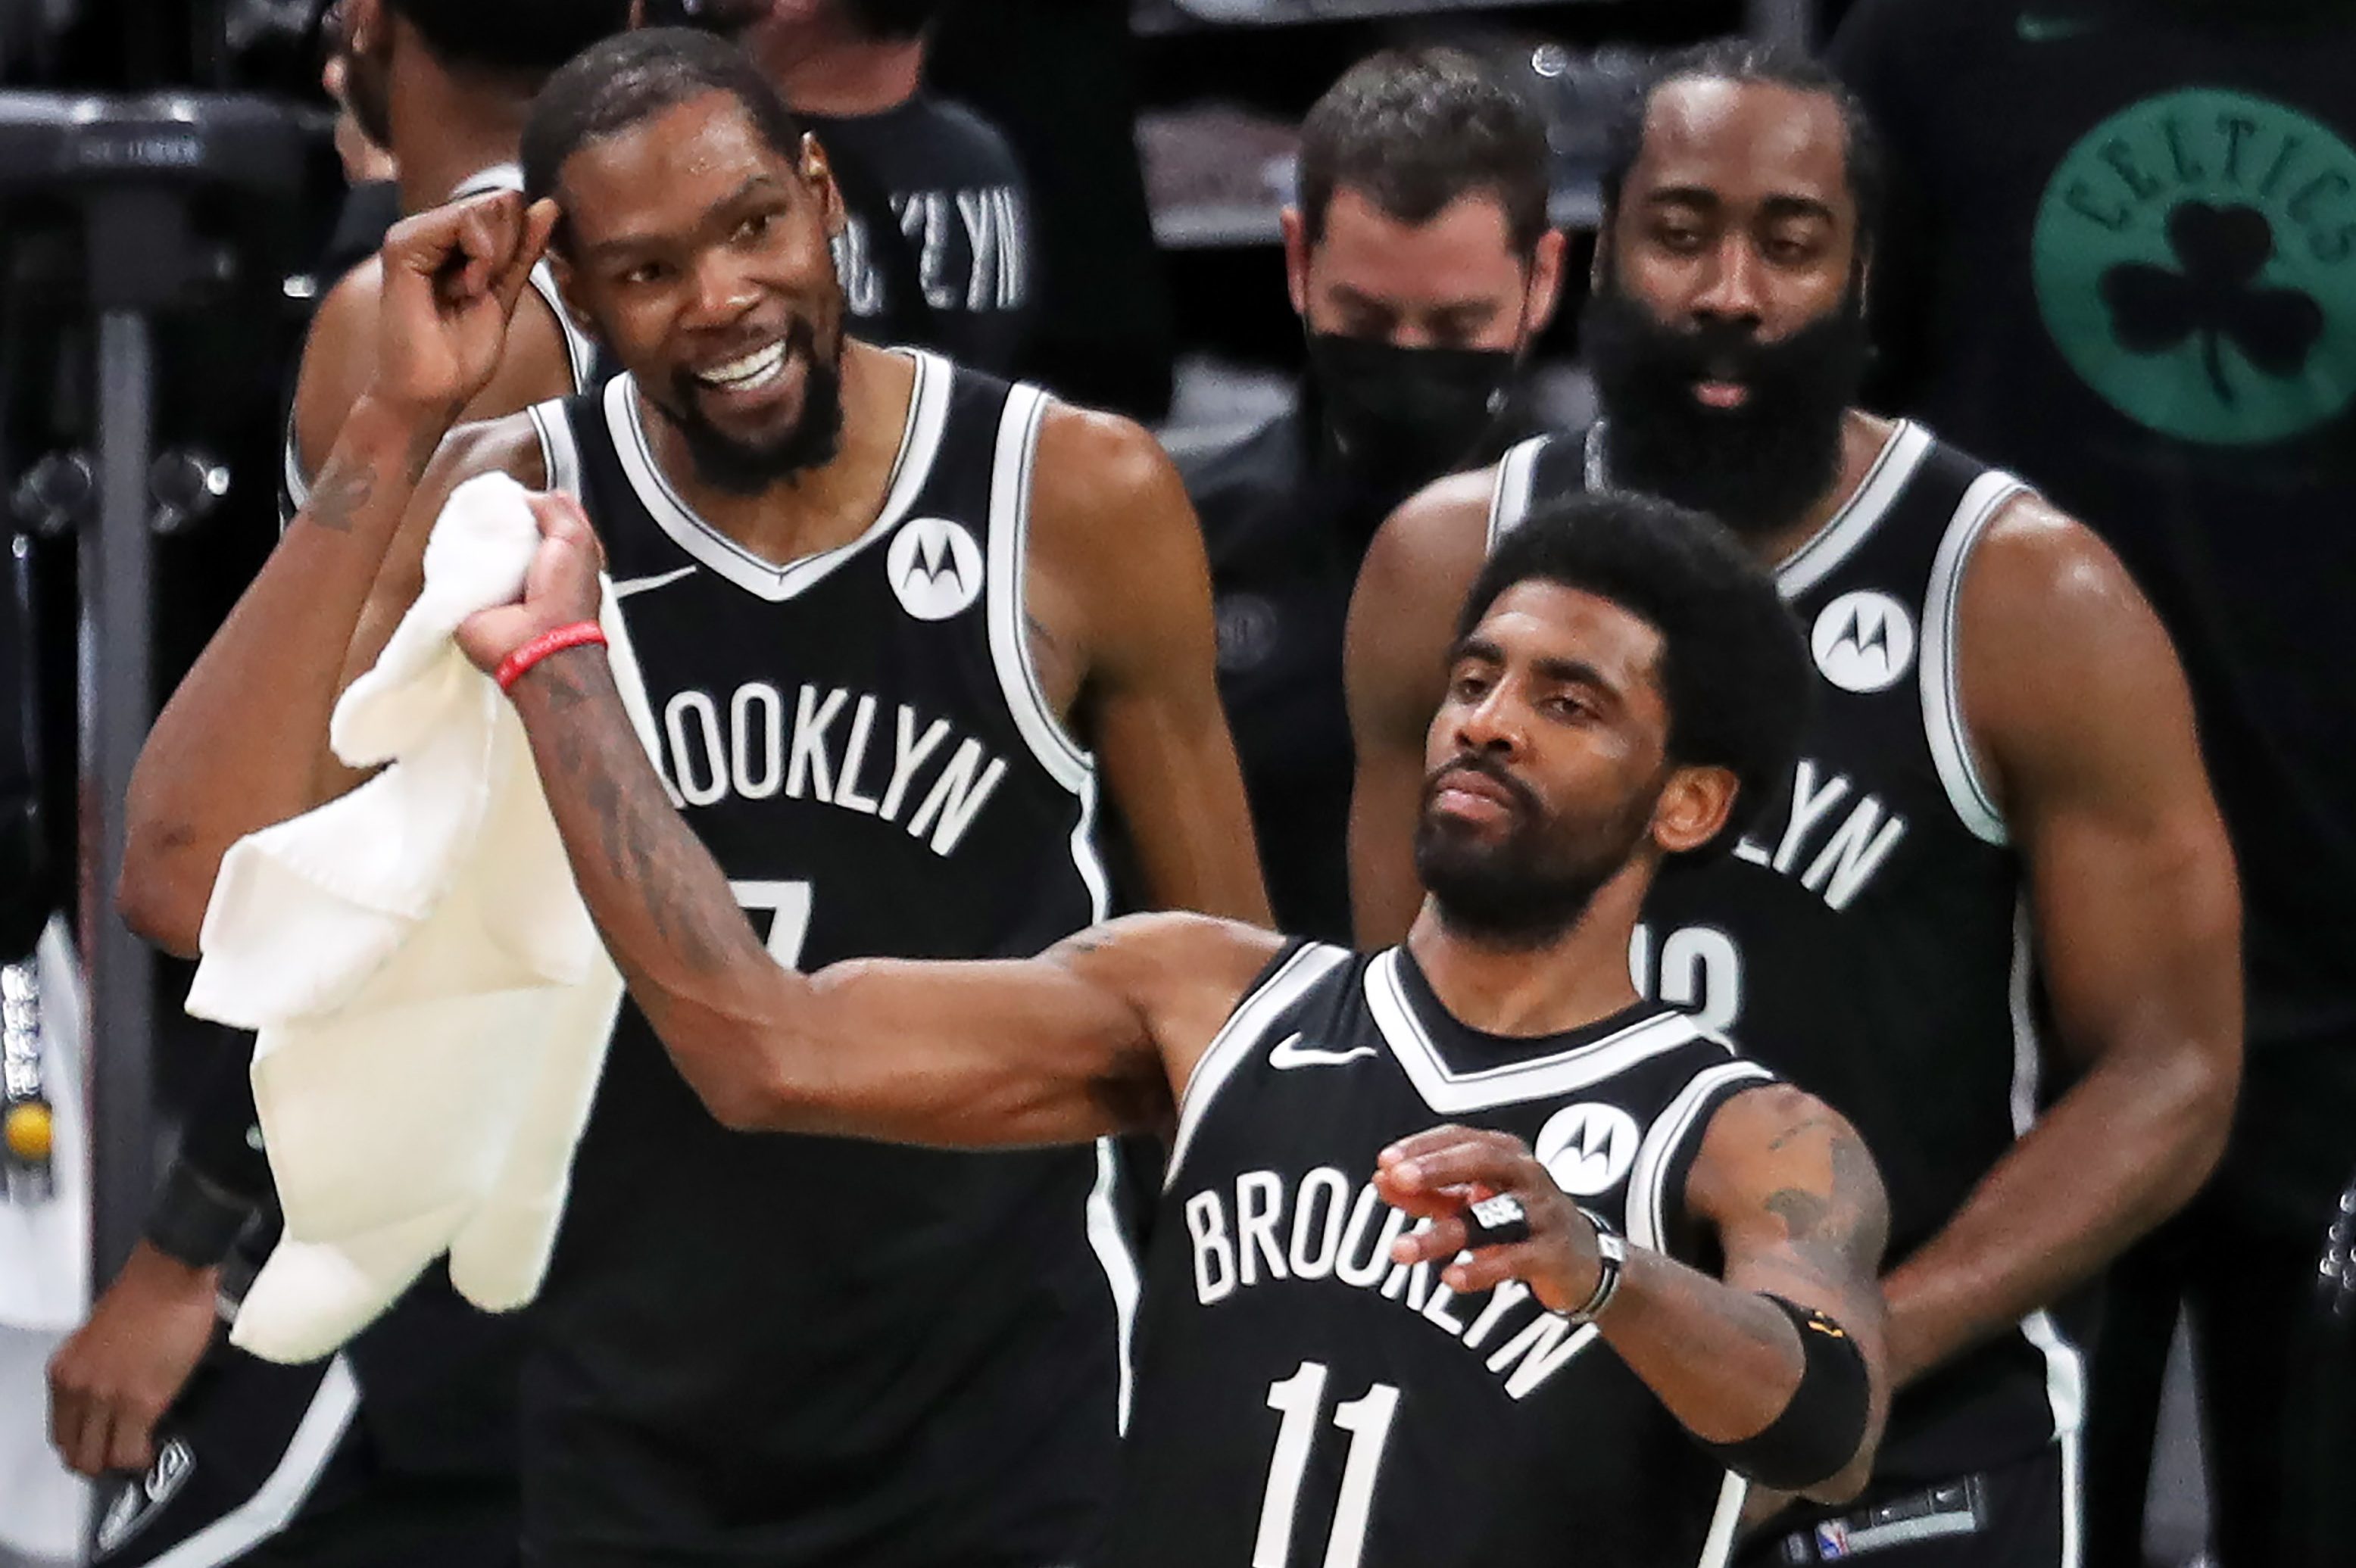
(1588, 1147)
(935, 567)
(1864, 642)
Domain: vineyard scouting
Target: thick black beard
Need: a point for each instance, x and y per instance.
(746, 468)
(1523, 893)
(1756, 469)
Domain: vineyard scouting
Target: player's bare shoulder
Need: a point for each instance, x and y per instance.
(1184, 973)
(1116, 561)
(1403, 611)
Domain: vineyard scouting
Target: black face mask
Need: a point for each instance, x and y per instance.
(1402, 417)
(1757, 468)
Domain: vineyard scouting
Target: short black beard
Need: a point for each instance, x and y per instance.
(1523, 894)
(1758, 468)
(742, 468)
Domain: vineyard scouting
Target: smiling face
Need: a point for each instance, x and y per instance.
(1547, 766)
(700, 254)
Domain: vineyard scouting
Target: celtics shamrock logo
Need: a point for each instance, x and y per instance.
(2195, 261)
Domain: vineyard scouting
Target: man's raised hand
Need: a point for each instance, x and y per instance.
(560, 588)
(1438, 1174)
(452, 278)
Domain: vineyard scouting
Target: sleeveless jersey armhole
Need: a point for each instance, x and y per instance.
(1943, 723)
(1657, 1184)
(1298, 966)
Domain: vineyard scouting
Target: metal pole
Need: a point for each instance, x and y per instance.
(1789, 22)
(115, 699)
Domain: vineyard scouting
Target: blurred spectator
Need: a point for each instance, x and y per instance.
(937, 248)
(1057, 76)
(1421, 266)
(2124, 261)
(403, 1448)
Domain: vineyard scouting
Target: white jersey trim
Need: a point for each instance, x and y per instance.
(1892, 471)
(559, 454)
(1451, 1093)
(1246, 1028)
(1509, 496)
(1110, 1242)
(1717, 1547)
(1941, 665)
(920, 439)
(275, 1505)
(1011, 475)
(1648, 1195)
(2065, 1367)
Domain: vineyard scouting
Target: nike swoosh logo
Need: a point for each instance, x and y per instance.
(1290, 1054)
(630, 585)
(2039, 27)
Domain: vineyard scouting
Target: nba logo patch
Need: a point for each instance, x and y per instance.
(1832, 1541)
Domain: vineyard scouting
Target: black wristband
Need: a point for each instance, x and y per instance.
(194, 1220)
(1824, 1421)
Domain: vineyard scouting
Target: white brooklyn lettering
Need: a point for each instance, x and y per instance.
(1259, 1198)
(1269, 1209)
(854, 754)
(809, 770)
(908, 756)
(1214, 1260)
(1853, 854)
(1325, 1228)
(1362, 1264)
(954, 797)
(1541, 1348)
(1807, 805)
(770, 730)
(713, 769)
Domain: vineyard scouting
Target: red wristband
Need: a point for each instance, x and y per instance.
(511, 667)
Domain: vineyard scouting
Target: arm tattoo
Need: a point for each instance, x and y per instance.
(343, 490)
(652, 856)
(1841, 1231)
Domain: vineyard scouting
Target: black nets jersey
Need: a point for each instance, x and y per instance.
(1302, 1400)
(807, 1350)
(1869, 938)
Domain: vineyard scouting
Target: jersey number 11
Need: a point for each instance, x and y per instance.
(1300, 1399)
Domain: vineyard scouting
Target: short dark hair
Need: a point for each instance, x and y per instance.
(1414, 128)
(1745, 60)
(628, 80)
(528, 38)
(1733, 671)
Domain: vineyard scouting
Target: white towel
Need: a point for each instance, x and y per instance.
(431, 1000)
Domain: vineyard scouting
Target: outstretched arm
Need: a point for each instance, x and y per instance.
(1089, 1037)
(244, 741)
(1800, 1214)
(2075, 696)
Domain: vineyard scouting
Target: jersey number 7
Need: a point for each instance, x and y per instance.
(789, 907)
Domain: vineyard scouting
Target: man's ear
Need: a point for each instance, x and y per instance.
(1693, 807)
(818, 174)
(1296, 259)
(1544, 292)
(568, 284)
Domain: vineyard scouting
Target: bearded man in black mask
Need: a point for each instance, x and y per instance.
(1998, 840)
(1422, 266)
